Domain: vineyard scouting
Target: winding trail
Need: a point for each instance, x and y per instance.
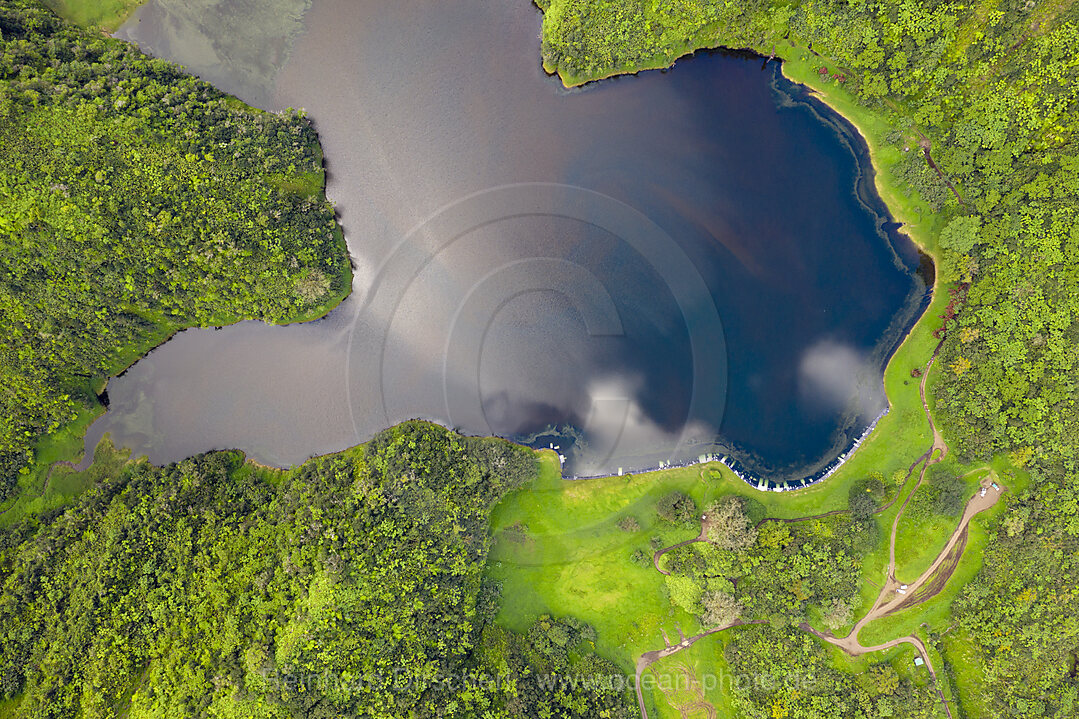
(890, 599)
(892, 596)
(938, 438)
(649, 658)
(702, 537)
(913, 640)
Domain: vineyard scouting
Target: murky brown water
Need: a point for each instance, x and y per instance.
(643, 264)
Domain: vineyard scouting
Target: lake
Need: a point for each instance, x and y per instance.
(638, 271)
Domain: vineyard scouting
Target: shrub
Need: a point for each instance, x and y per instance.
(720, 609)
(729, 526)
(677, 508)
(951, 493)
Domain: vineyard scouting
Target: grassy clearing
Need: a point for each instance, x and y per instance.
(697, 674)
(105, 14)
(935, 614)
(966, 671)
(920, 539)
(65, 483)
(565, 554)
(559, 550)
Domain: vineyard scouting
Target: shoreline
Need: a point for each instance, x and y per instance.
(886, 194)
(750, 478)
(842, 106)
(909, 226)
(69, 441)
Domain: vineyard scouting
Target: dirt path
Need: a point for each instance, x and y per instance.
(702, 537)
(927, 146)
(938, 438)
(913, 640)
(937, 452)
(934, 584)
(890, 598)
(649, 658)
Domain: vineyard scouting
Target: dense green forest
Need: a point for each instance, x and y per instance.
(981, 96)
(776, 569)
(775, 651)
(351, 584)
(989, 90)
(136, 200)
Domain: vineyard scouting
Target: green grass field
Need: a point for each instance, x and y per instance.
(105, 14)
(700, 673)
(558, 547)
(559, 550)
(8, 706)
(934, 613)
(571, 557)
(920, 539)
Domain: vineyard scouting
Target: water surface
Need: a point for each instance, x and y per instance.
(638, 271)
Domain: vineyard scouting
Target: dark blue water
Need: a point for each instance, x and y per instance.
(639, 271)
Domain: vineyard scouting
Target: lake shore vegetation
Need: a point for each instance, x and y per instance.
(969, 111)
(135, 201)
(350, 585)
(429, 574)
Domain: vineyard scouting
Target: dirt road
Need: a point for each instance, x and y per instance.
(889, 599)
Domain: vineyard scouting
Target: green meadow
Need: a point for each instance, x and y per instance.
(105, 14)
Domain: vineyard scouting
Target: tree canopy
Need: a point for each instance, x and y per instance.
(136, 200)
(981, 99)
(353, 583)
